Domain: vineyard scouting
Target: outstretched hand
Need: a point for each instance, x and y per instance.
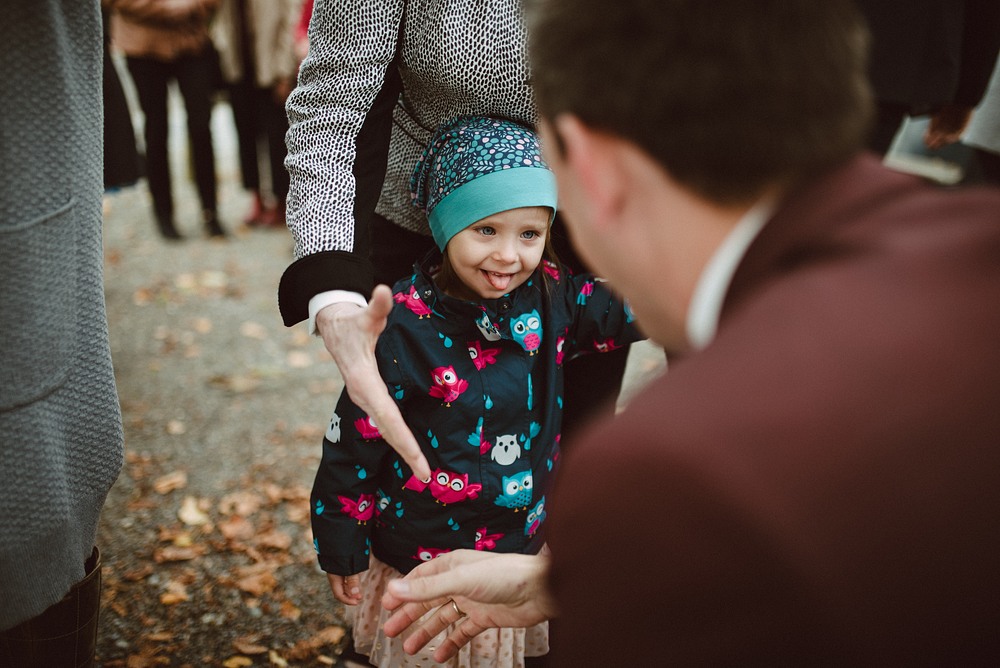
(488, 590)
(350, 334)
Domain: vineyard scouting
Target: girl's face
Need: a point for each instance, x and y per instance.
(494, 255)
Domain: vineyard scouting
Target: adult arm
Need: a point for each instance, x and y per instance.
(340, 118)
(339, 127)
(490, 591)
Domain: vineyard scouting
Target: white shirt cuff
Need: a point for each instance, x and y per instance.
(324, 299)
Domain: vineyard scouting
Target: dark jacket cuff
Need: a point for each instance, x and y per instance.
(310, 275)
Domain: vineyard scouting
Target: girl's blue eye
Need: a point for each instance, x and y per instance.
(487, 231)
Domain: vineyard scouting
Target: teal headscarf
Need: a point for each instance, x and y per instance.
(475, 167)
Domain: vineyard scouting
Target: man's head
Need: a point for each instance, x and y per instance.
(729, 96)
(665, 120)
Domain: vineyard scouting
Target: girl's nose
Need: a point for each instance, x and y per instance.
(506, 250)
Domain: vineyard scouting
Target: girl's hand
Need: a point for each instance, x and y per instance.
(346, 588)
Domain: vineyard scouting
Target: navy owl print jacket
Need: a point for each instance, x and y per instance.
(481, 387)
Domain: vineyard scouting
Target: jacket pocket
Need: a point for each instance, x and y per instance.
(38, 305)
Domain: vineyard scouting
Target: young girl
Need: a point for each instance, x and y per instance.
(473, 353)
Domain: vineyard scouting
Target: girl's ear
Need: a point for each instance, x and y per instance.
(594, 159)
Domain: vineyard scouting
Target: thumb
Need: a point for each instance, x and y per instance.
(380, 304)
(352, 585)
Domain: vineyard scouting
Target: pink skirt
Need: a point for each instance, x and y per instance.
(493, 648)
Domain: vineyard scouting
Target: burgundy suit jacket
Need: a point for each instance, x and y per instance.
(821, 484)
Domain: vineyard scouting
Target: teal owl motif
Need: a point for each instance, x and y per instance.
(526, 329)
(516, 491)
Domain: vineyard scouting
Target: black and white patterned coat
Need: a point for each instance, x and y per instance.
(454, 57)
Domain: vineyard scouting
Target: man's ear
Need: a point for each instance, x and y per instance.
(594, 159)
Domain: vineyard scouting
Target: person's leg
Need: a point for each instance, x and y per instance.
(394, 250)
(989, 166)
(241, 100)
(277, 128)
(150, 77)
(591, 382)
(65, 634)
(194, 75)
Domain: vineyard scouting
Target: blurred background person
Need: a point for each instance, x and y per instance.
(121, 157)
(164, 42)
(256, 44)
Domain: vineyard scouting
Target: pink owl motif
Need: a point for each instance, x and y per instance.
(606, 346)
(551, 269)
(560, 344)
(361, 509)
(446, 486)
(487, 541)
(482, 357)
(428, 553)
(367, 428)
(447, 385)
(413, 302)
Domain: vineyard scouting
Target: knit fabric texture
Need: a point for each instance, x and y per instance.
(475, 167)
(60, 427)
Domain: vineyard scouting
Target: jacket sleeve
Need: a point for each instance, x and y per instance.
(602, 321)
(340, 120)
(344, 494)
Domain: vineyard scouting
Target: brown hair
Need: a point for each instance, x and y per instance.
(730, 96)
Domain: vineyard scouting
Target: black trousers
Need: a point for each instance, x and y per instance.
(195, 76)
(261, 124)
(592, 382)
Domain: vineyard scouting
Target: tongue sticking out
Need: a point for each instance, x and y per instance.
(498, 281)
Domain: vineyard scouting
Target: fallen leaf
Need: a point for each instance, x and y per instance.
(276, 659)
(175, 593)
(137, 574)
(237, 528)
(170, 482)
(275, 539)
(176, 427)
(257, 584)
(248, 645)
(191, 514)
(237, 662)
(331, 635)
(172, 553)
(163, 636)
(289, 611)
(240, 503)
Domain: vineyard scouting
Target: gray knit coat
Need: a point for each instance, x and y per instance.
(60, 425)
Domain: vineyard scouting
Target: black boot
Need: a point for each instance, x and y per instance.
(165, 222)
(212, 225)
(65, 634)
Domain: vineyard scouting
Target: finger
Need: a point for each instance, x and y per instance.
(442, 618)
(380, 304)
(457, 639)
(352, 587)
(385, 413)
(406, 616)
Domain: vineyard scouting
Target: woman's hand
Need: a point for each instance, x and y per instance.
(350, 334)
(475, 590)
